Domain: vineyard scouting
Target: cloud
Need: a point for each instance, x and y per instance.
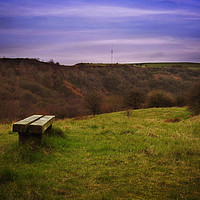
(136, 41)
(88, 10)
(85, 32)
(36, 32)
(157, 55)
(188, 2)
(125, 50)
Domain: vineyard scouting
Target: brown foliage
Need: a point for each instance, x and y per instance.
(113, 103)
(160, 98)
(93, 101)
(28, 86)
(193, 98)
(134, 98)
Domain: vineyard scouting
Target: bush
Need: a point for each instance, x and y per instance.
(134, 98)
(180, 100)
(160, 98)
(193, 99)
(93, 102)
(113, 103)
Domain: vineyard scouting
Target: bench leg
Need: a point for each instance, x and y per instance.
(23, 137)
(49, 129)
(29, 138)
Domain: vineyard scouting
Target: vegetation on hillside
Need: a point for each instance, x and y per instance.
(152, 154)
(28, 86)
(193, 98)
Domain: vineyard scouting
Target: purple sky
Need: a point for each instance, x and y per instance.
(76, 31)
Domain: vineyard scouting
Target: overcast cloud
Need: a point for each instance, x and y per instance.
(85, 31)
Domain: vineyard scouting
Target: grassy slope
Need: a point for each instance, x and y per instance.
(188, 65)
(107, 157)
(181, 64)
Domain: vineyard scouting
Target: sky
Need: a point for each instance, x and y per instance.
(74, 31)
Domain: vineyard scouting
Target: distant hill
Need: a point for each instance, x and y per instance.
(30, 86)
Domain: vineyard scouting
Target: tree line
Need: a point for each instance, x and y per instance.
(28, 86)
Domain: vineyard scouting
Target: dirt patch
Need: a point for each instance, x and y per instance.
(173, 120)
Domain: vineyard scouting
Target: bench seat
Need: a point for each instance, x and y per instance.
(33, 127)
(23, 125)
(42, 124)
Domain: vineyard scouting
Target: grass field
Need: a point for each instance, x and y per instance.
(153, 154)
(189, 65)
(194, 66)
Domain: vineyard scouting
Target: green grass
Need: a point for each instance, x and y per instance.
(189, 65)
(194, 66)
(108, 156)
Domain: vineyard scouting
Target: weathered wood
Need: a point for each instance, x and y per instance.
(39, 126)
(32, 128)
(23, 125)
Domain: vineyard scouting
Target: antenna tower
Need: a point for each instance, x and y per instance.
(112, 55)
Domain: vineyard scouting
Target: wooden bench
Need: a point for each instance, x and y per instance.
(33, 127)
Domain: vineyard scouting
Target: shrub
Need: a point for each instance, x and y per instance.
(113, 103)
(93, 102)
(134, 98)
(160, 98)
(180, 100)
(193, 99)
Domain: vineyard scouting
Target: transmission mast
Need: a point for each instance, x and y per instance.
(112, 55)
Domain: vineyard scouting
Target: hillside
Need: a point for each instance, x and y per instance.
(153, 154)
(29, 86)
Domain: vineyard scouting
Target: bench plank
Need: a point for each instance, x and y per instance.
(22, 125)
(41, 124)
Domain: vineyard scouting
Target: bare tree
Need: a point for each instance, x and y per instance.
(93, 102)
